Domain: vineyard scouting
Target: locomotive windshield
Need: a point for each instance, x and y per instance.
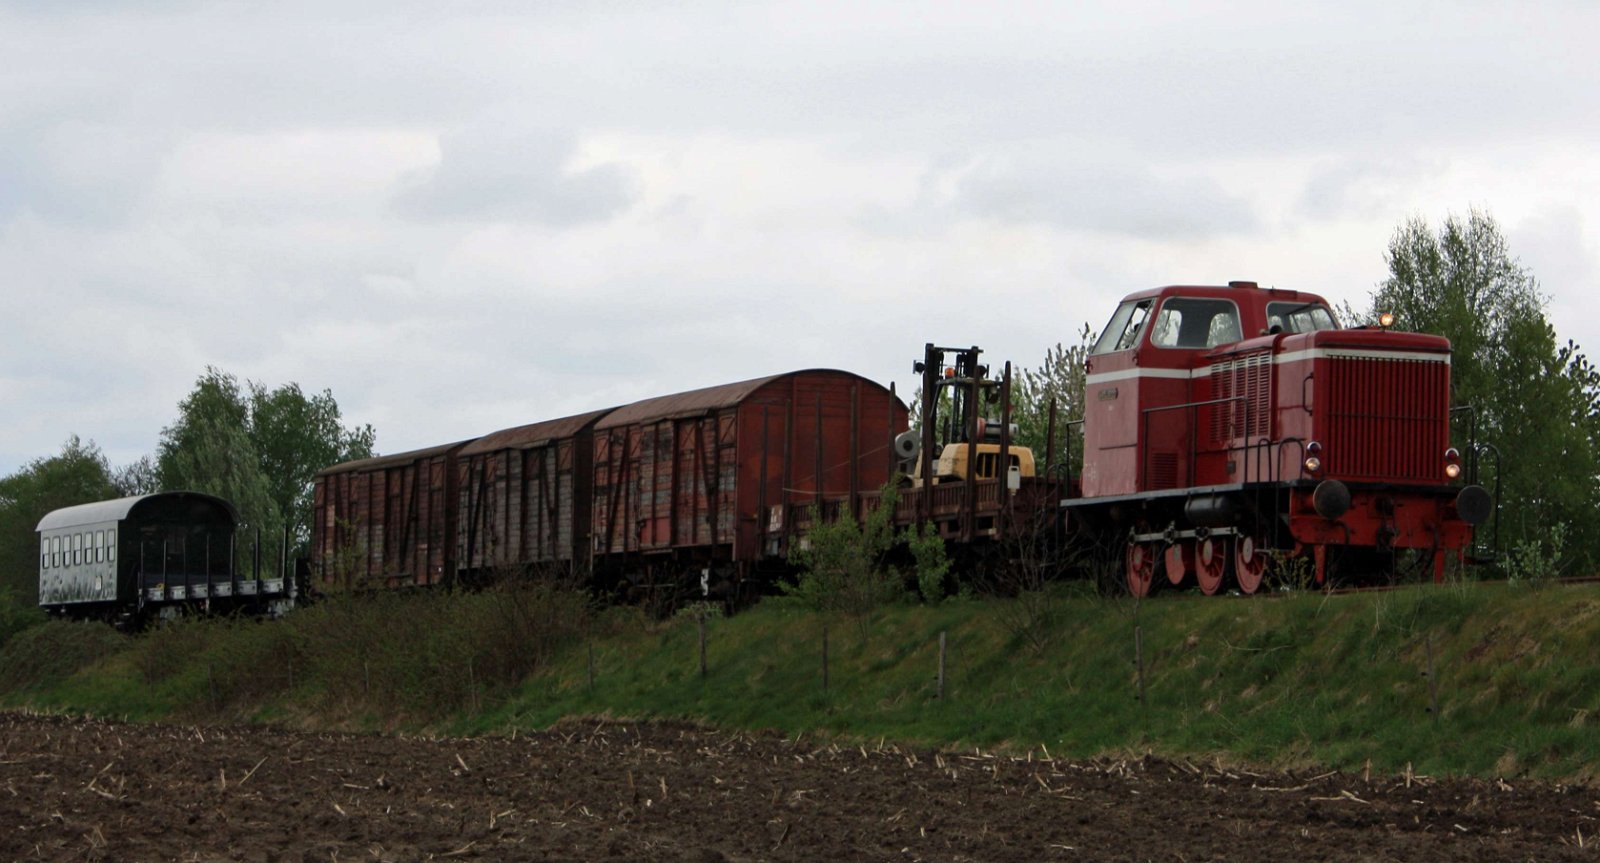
(1299, 317)
(1126, 324)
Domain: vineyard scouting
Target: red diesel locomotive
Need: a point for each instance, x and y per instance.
(1229, 428)
(1226, 429)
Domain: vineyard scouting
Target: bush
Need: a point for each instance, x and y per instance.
(16, 616)
(844, 565)
(54, 651)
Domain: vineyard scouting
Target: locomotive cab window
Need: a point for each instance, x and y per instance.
(1299, 318)
(1195, 322)
(1126, 324)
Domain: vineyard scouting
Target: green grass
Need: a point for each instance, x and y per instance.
(1293, 680)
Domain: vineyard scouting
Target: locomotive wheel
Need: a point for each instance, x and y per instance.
(1249, 564)
(1140, 568)
(1179, 560)
(1211, 565)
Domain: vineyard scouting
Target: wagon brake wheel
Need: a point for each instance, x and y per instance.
(1249, 564)
(1211, 565)
(1140, 568)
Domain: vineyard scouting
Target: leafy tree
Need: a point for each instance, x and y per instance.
(1538, 405)
(79, 474)
(1060, 379)
(295, 436)
(258, 448)
(137, 477)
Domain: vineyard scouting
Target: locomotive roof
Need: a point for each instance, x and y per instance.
(697, 402)
(533, 434)
(389, 460)
(102, 511)
(1229, 291)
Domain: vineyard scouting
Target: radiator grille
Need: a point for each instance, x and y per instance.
(1387, 418)
(1245, 383)
(1163, 470)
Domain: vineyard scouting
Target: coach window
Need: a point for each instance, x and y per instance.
(55, 551)
(111, 545)
(99, 546)
(1195, 322)
(44, 553)
(1126, 325)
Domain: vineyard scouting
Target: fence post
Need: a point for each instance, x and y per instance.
(824, 657)
(941, 664)
(591, 668)
(1433, 684)
(1138, 653)
(702, 619)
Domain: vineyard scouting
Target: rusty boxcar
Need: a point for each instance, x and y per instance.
(387, 521)
(689, 484)
(524, 497)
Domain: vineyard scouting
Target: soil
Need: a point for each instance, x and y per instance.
(73, 789)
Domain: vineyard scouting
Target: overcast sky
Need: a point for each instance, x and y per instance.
(465, 216)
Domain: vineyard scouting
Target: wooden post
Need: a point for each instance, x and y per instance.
(1138, 654)
(824, 657)
(702, 619)
(941, 664)
(1433, 684)
(591, 668)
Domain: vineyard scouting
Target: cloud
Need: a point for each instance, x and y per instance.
(493, 172)
(1364, 188)
(1102, 198)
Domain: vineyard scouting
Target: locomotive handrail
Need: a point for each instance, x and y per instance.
(1064, 466)
(1193, 437)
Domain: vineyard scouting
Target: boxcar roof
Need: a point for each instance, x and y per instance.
(697, 402)
(102, 511)
(381, 461)
(533, 434)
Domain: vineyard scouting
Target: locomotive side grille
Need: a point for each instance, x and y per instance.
(1388, 418)
(1246, 383)
(1163, 470)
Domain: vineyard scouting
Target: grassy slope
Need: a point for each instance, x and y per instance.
(1291, 680)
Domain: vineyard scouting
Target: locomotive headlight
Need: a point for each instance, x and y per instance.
(1313, 462)
(1452, 463)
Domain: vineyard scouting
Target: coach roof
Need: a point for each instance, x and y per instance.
(102, 511)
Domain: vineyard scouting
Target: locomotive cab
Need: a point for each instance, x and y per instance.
(1226, 428)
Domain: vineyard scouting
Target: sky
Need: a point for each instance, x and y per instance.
(462, 217)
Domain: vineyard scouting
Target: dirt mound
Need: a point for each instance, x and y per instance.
(76, 789)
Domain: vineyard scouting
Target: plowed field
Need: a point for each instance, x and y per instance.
(74, 789)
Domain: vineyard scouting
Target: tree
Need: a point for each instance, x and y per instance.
(79, 474)
(1060, 378)
(295, 436)
(1539, 406)
(258, 448)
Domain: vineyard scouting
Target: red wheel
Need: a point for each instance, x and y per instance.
(1141, 568)
(1179, 560)
(1249, 564)
(1211, 565)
